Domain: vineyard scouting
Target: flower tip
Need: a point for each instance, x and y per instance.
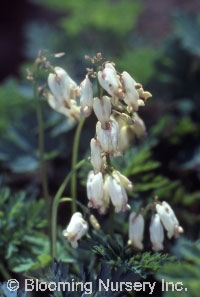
(86, 111)
(65, 233)
(129, 242)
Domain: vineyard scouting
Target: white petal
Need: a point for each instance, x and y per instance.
(156, 233)
(102, 108)
(96, 158)
(86, 99)
(136, 230)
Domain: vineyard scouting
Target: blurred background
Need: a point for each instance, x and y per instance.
(158, 43)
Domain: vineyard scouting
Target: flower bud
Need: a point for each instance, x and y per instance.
(109, 80)
(156, 233)
(96, 159)
(61, 85)
(86, 99)
(117, 194)
(168, 218)
(131, 95)
(102, 109)
(94, 222)
(76, 229)
(144, 94)
(73, 113)
(122, 180)
(108, 138)
(136, 230)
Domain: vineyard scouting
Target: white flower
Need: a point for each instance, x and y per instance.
(95, 192)
(156, 233)
(96, 159)
(136, 230)
(131, 95)
(117, 194)
(109, 80)
(139, 126)
(169, 220)
(76, 229)
(86, 99)
(62, 86)
(64, 91)
(126, 137)
(108, 138)
(102, 109)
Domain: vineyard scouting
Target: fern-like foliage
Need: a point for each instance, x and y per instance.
(113, 251)
(23, 245)
(186, 271)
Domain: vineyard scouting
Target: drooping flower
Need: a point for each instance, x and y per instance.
(64, 91)
(95, 192)
(109, 80)
(139, 126)
(109, 137)
(76, 229)
(125, 137)
(96, 156)
(168, 219)
(62, 86)
(156, 233)
(86, 99)
(136, 230)
(117, 194)
(131, 95)
(102, 109)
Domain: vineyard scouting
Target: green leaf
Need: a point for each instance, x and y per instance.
(186, 271)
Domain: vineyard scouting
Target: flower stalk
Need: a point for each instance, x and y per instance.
(55, 205)
(74, 163)
(43, 169)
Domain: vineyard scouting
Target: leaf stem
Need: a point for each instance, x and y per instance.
(56, 202)
(74, 162)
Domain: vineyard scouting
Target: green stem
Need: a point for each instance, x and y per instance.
(65, 199)
(83, 207)
(4, 272)
(56, 202)
(74, 162)
(43, 170)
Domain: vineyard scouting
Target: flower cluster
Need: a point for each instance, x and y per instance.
(118, 100)
(164, 217)
(118, 124)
